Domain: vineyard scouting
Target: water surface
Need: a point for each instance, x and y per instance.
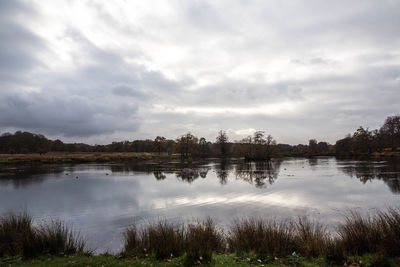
(100, 200)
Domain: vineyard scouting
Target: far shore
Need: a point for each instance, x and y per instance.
(86, 157)
(81, 157)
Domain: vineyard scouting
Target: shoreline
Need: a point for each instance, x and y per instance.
(87, 157)
(81, 157)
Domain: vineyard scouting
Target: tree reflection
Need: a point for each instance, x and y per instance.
(188, 174)
(25, 175)
(203, 172)
(258, 173)
(159, 175)
(388, 171)
(222, 169)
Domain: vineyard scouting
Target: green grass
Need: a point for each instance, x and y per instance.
(108, 260)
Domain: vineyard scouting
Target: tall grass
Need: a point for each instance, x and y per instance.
(56, 238)
(15, 231)
(262, 237)
(272, 238)
(311, 237)
(357, 235)
(165, 240)
(19, 237)
(379, 233)
(162, 239)
(201, 240)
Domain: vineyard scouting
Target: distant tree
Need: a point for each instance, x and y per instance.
(186, 145)
(203, 147)
(323, 147)
(222, 141)
(376, 141)
(313, 146)
(270, 146)
(344, 146)
(159, 143)
(57, 145)
(259, 146)
(362, 140)
(169, 146)
(390, 131)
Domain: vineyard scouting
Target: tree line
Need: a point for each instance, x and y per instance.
(365, 141)
(257, 146)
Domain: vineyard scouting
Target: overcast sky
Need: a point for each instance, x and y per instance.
(102, 71)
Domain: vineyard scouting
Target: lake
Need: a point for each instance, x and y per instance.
(100, 200)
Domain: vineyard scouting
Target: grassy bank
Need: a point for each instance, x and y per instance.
(109, 260)
(367, 260)
(373, 240)
(80, 157)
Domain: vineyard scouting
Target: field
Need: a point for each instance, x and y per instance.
(79, 157)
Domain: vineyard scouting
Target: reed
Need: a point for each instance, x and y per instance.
(18, 236)
(202, 239)
(162, 239)
(378, 234)
(264, 237)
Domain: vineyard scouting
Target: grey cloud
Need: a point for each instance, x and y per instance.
(18, 45)
(314, 61)
(110, 90)
(127, 90)
(89, 101)
(238, 93)
(69, 116)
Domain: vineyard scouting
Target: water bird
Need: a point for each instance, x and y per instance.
(106, 173)
(76, 177)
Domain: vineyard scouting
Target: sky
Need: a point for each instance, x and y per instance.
(103, 71)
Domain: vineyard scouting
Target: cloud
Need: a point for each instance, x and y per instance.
(121, 70)
(18, 44)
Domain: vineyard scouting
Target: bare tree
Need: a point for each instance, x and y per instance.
(222, 141)
(186, 144)
(390, 130)
(159, 143)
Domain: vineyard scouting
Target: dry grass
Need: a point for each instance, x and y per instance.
(19, 237)
(162, 239)
(263, 237)
(166, 240)
(202, 239)
(65, 157)
(378, 233)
